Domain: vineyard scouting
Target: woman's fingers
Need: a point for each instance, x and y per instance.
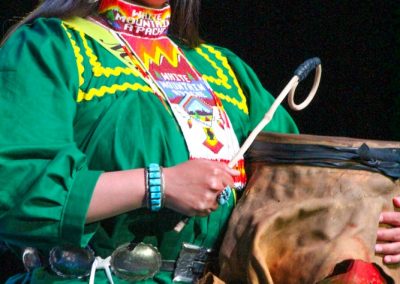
(388, 239)
(221, 176)
(388, 235)
(390, 218)
(391, 251)
(396, 201)
(232, 172)
(192, 188)
(391, 259)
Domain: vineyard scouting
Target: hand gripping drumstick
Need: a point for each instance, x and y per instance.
(299, 75)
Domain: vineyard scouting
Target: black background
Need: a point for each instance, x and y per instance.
(357, 42)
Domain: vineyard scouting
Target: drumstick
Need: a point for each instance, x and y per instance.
(299, 75)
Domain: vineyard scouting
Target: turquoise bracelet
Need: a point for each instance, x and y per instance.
(154, 187)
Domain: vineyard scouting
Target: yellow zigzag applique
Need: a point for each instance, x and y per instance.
(222, 79)
(112, 90)
(99, 70)
(78, 56)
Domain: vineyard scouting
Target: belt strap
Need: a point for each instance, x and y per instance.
(168, 265)
(383, 160)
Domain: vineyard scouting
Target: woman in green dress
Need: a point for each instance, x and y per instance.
(117, 126)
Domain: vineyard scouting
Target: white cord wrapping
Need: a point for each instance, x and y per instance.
(100, 263)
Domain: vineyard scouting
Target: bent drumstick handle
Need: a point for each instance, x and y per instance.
(306, 67)
(299, 74)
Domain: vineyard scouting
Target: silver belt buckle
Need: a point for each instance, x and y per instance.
(191, 263)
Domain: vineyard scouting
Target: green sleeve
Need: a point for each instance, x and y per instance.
(45, 184)
(259, 100)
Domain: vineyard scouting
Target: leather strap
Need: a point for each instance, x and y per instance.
(383, 160)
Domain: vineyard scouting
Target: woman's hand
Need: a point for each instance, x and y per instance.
(191, 188)
(388, 239)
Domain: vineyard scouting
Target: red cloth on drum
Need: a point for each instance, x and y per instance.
(356, 272)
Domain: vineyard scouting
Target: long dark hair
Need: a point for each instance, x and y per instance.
(184, 21)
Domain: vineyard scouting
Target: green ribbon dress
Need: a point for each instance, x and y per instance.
(70, 110)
